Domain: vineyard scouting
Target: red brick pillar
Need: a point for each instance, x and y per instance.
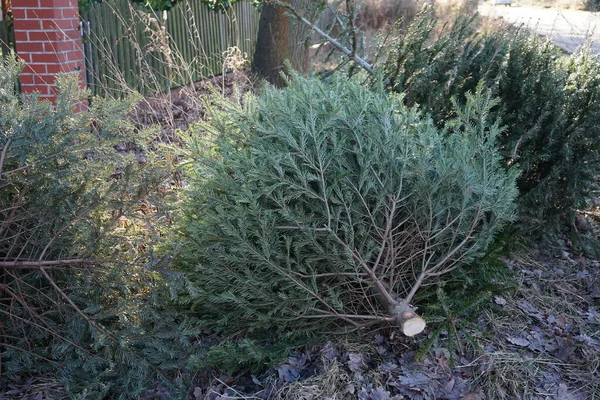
(48, 39)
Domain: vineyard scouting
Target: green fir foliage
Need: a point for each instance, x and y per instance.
(246, 354)
(79, 304)
(292, 192)
(549, 105)
(452, 308)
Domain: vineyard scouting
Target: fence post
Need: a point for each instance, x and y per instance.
(48, 39)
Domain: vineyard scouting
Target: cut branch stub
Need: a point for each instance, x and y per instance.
(402, 314)
(409, 322)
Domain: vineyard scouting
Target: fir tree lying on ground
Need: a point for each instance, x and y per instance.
(550, 105)
(326, 204)
(81, 309)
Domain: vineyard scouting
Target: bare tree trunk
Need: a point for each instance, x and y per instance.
(4, 31)
(272, 45)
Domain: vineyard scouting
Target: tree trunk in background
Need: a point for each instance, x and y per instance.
(5, 7)
(278, 40)
(4, 31)
(272, 44)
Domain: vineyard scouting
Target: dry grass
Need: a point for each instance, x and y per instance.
(341, 377)
(330, 384)
(381, 14)
(447, 10)
(545, 336)
(509, 375)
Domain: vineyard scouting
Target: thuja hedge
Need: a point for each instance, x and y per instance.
(327, 204)
(549, 104)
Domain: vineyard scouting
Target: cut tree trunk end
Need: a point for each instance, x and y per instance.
(408, 321)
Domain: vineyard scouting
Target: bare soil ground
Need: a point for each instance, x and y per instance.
(180, 108)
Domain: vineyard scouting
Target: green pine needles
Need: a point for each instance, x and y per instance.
(326, 205)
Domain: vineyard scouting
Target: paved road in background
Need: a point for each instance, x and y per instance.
(567, 28)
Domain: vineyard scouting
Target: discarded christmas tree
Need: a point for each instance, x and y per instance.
(326, 204)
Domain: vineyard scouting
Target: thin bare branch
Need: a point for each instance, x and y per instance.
(292, 228)
(365, 65)
(18, 264)
(3, 155)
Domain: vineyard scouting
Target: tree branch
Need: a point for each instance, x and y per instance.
(16, 264)
(3, 155)
(365, 65)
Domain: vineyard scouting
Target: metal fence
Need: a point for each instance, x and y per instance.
(128, 48)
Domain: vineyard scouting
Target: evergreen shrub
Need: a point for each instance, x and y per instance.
(325, 204)
(549, 103)
(76, 287)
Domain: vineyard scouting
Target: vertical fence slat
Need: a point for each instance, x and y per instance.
(110, 51)
(203, 40)
(128, 56)
(141, 65)
(95, 53)
(120, 54)
(210, 38)
(102, 60)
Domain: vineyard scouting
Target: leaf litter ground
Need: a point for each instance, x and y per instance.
(540, 342)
